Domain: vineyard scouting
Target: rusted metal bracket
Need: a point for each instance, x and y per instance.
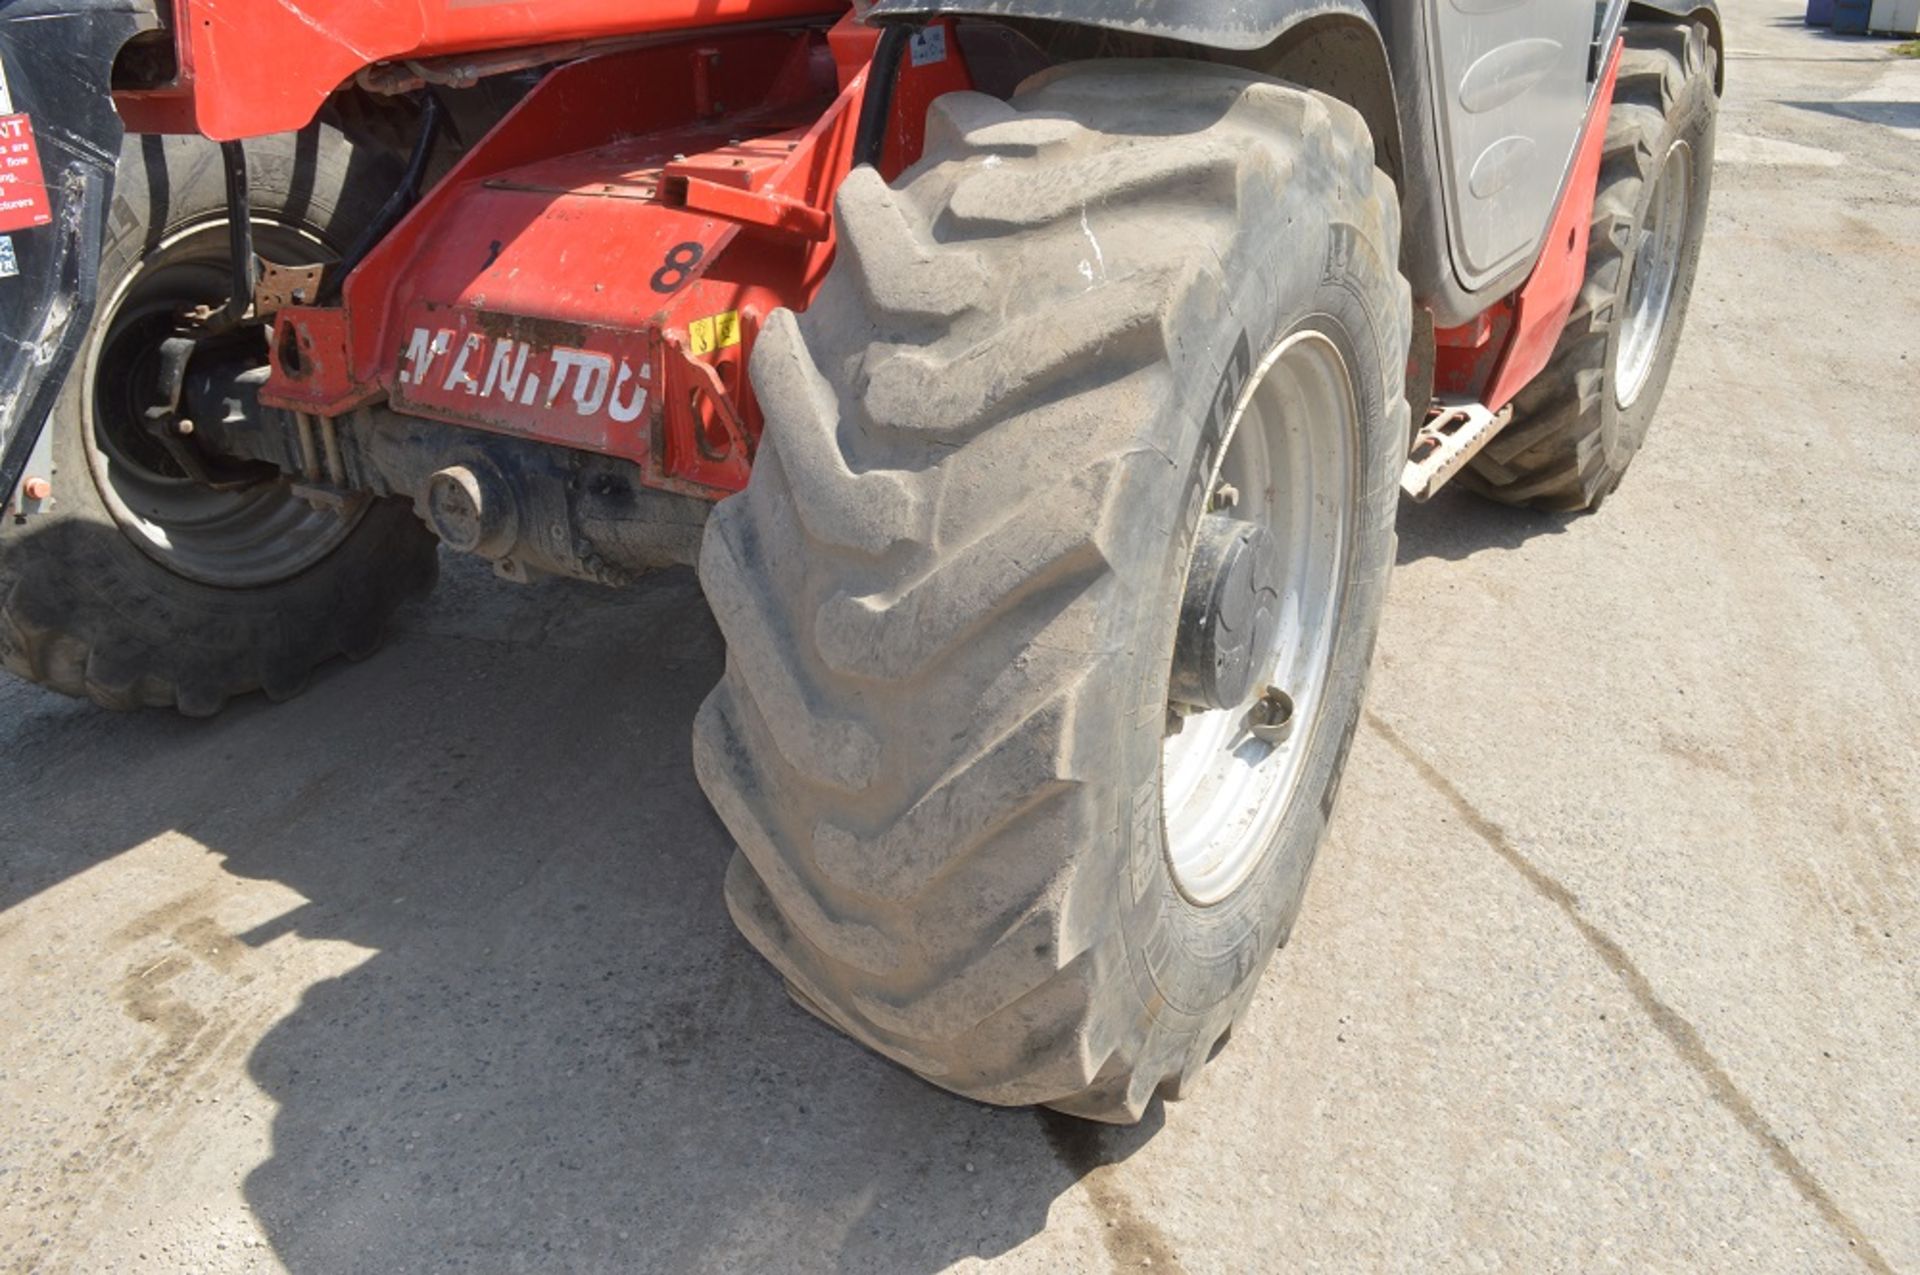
(709, 386)
(1444, 445)
(278, 286)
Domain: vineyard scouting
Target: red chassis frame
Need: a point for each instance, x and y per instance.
(593, 272)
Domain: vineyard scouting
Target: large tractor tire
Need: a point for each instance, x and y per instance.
(141, 586)
(1095, 424)
(1579, 424)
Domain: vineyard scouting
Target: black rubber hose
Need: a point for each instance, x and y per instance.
(876, 108)
(239, 232)
(404, 197)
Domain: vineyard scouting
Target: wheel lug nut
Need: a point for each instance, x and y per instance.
(1271, 717)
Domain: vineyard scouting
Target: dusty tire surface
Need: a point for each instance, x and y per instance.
(1573, 436)
(949, 592)
(84, 609)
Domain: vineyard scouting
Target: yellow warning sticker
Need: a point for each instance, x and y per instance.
(717, 332)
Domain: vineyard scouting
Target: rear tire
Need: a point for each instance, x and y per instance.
(1579, 424)
(951, 589)
(139, 587)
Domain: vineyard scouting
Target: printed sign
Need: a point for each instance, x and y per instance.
(928, 46)
(591, 388)
(23, 191)
(716, 332)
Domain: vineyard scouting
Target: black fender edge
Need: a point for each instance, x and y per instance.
(1203, 22)
(57, 57)
(1707, 11)
(1336, 46)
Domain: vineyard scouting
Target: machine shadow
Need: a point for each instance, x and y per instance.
(1457, 524)
(556, 1052)
(1891, 114)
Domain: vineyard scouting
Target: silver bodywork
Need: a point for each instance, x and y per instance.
(1513, 81)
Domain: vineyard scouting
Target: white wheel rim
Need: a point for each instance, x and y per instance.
(1659, 243)
(1291, 454)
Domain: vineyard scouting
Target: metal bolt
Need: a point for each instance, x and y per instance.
(184, 428)
(1225, 496)
(36, 488)
(1271, 717)
(1177, 714)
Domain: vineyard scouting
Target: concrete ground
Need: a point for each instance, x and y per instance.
(1610, 961)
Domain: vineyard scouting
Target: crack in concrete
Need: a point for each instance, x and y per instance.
(1682, 1035)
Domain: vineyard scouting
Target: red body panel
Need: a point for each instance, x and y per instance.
(251, 67)
(594, 272)
(1492, 358)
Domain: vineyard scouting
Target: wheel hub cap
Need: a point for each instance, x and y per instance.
(1260, 610)
(1230, 615)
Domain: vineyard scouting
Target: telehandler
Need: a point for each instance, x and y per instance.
(1033, 382)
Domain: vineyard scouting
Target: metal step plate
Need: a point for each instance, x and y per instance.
(1453, 433)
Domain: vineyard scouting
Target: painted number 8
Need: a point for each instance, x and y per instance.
(681, 259)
